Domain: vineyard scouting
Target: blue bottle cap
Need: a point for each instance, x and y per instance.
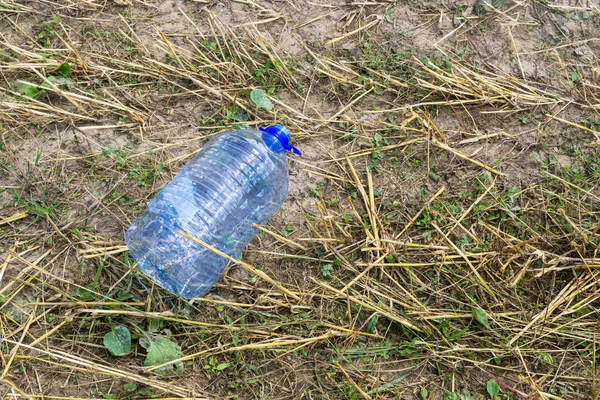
(283, 135)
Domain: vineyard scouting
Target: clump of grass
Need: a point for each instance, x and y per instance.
(377, 59)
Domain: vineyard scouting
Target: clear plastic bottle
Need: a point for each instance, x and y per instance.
(239, 178)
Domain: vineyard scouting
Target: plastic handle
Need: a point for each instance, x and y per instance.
(283, 135)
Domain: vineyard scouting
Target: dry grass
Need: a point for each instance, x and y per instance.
(401, 240)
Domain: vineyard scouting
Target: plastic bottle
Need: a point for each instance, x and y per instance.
(239, 178)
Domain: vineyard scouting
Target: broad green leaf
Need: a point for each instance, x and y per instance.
(162, 350)
(424, 393)
(27, 90)
(223, 366)
(492, 388)
(130, 387)
(64, 69)
(388, 14)
(46, 84)
(259, 97)
(481, 317)
(237, 114)
(118, 341)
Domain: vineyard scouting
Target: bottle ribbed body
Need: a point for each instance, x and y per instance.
(235, 181)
